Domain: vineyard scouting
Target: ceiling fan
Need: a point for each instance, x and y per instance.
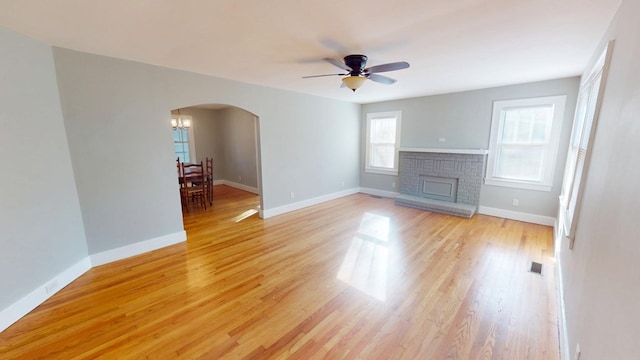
(357, 73)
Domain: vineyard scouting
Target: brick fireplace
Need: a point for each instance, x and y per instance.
(441, 180)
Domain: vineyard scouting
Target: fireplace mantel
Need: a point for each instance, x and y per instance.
(446, 151)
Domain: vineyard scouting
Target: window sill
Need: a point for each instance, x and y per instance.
(381, 171)
(517, 184)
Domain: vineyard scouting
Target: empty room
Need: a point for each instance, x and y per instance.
(289, 180)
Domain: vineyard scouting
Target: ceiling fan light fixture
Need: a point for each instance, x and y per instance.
(354, 82)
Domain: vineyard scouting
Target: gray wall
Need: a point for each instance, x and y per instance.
(601, 275)
(116, 114)
(41, 231)
(464, 120)
(239, 138)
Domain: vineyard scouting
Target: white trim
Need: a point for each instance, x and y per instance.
(516, 215)
(575, 175)
(376, 192)
(397, 114)
(563, 335)
(267, 213)
(137, 248)
(39, 295)
(558, 103)
(236, 185)
(446, 151)
(517, 184)
(381, 171)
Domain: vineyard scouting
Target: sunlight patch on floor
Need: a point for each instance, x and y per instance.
(245, 215)
(366, 263)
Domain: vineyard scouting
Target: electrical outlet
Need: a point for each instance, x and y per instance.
(516, 202)
(343, 184)
(292, 195)
(442, 140)
(239, 177)
(393, 185)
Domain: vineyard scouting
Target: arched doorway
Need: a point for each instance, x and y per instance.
(227, 134)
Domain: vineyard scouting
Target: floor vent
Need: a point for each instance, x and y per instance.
(536, 267)
(376, 196)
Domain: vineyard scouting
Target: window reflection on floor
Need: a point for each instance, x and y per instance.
(245, 215)
(366, 263)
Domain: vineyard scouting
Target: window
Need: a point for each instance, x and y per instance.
(183, 142)
(586, 116)
(383, 139)
(524, 142)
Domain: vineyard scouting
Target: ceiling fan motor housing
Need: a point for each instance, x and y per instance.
(357, 64)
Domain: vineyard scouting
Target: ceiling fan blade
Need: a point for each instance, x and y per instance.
(315, 76)
(387, 67)
(337, 63)
(381, 79)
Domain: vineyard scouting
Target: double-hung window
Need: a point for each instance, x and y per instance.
(183, 141)
(584, 123)
(524, 142)
(383, 139)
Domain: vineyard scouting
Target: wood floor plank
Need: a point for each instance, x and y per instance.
(352, 278)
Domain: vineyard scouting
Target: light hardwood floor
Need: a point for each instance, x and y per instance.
(353, 278)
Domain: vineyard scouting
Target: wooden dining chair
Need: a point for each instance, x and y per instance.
(209, 168)
(193, 184)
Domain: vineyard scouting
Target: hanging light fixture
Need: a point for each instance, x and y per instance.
(180, 123)
(354, 82)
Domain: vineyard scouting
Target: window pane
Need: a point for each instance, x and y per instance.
(383, 130)
(530, 125)
(382, 156)
(184, 157)
(520, 163)
(180, 135)
(181, 144)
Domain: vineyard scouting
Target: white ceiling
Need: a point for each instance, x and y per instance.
(452, 45)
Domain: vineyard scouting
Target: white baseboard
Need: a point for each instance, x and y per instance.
(376, 192)
(267, 213)
(562, 315)
(137, 248)
(36, 297)
(565, 352)
(515, 215)
(23, 306)
(236, 185)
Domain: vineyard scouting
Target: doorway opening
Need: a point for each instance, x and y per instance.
(226, 136)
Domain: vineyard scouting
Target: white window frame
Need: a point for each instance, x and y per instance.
(380, 170)
(582, 134)
(550, 149)
(192, 144)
